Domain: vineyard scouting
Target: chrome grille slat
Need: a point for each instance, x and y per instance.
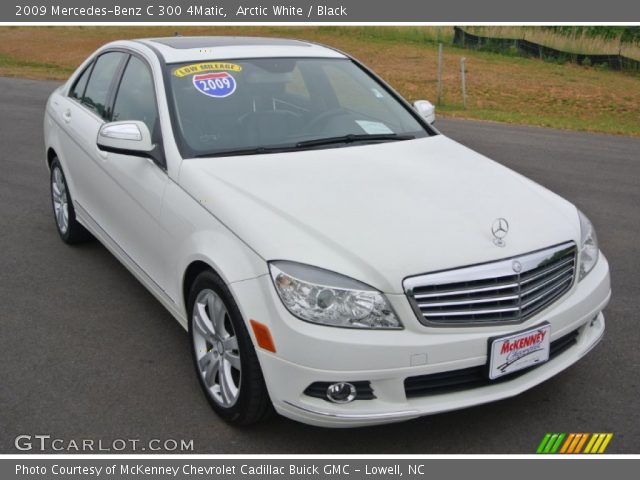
(493, 293)
(528, 291)
(482, 311)
(543, 294)
(466, 290)
(529, 279)
(471, 301)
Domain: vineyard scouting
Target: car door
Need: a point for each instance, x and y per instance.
(80, 115)
(134, 185)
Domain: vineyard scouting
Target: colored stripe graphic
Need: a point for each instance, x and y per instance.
(581, 443)
(591, 442)
(573, 443)
(555, 447)
(604, 445)
(567, 443)
(598, 442)
(544, 441)
(550, 443)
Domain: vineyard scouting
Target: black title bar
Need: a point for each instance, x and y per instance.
(312, 11)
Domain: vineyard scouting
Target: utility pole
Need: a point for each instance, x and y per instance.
(464, 83)
(439, 73)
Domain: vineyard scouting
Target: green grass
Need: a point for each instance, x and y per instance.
(420, 35)
(14, 67)
(501, 88)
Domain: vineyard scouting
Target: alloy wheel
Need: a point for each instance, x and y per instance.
(216, 348)
(60, 200)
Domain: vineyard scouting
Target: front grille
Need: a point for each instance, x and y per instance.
(504, 292)
(473, 377)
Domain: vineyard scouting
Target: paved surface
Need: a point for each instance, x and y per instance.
(86, 352)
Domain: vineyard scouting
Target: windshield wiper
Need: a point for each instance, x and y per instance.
(352, 138)
(247, 151)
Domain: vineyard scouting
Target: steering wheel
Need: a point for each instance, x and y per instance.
(325, 116)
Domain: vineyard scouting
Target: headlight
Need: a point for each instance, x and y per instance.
(588, 246)
(320, 296)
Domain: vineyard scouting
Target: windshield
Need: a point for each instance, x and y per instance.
(278, 104)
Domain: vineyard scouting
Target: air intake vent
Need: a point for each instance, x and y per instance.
(473, 377)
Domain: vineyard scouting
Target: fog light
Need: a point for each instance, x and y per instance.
(321, 390)
(341, 392)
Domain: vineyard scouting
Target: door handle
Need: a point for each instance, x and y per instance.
(66, 116)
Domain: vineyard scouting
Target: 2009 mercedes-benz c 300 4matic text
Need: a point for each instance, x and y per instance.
(332, 255)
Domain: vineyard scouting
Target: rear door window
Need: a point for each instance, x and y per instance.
(77, 91)
(96, 95)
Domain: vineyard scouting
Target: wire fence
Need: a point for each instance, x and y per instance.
(531, 49)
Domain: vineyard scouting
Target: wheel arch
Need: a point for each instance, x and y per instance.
(226, 270)
(51, 154)
(192, 271)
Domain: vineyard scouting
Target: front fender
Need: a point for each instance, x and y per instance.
(194, 234)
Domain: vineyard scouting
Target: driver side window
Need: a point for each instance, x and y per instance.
(136, 99)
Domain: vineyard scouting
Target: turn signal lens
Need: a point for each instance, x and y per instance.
(263, 336)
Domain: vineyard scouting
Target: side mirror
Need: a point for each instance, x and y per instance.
(126, 138)
(426, 110)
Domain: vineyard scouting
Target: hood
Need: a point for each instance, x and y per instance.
(379, 213)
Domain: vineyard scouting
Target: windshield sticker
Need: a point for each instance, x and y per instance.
(206, 67)
(373, 128)
(215, 84)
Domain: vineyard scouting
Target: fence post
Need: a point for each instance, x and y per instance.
(439, 74)
(464, 83)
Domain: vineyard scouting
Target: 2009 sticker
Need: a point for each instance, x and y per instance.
(215, 84)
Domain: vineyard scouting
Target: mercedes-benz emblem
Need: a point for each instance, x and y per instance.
(499, 229)
(517, 266)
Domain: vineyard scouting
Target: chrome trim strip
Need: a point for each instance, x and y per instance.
(544, 294)
(357, 416)
(445, 293)
(453, 313)
(488, 270)
(453, 303)
(546, 271)
(529, 291)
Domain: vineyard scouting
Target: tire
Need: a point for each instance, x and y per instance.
(64, 214)
(223, 354)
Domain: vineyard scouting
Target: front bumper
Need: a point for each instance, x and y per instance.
(308, 353)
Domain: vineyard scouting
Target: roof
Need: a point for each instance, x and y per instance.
(220, 41)
(187, 49)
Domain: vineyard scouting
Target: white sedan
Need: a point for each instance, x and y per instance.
(332, 255)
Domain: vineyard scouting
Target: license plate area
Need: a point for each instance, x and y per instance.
(519, 350)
